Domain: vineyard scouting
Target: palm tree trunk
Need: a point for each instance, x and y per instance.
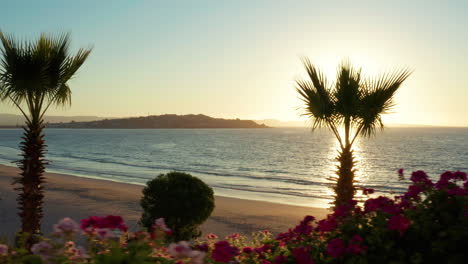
(344, 188)
(30, 198)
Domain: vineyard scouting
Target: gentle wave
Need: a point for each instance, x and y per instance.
(190, 170)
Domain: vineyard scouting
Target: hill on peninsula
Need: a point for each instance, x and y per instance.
(11, 120)
(162, 121)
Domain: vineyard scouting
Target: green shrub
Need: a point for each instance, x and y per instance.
(182, 200)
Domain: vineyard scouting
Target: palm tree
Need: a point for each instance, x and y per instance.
(353, 103)
(33, 76)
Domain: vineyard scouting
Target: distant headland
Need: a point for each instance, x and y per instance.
(162, 121)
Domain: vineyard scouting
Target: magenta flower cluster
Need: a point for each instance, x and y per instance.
(224, 252)
(109, 222)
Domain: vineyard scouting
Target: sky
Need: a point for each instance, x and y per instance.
(240, 59)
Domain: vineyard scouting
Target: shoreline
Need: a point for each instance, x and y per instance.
(79, 197)
(226, 193)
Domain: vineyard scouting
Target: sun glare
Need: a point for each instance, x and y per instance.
(329, 65)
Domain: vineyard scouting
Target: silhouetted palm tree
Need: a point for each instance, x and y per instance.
(352, 103)
(33, 76)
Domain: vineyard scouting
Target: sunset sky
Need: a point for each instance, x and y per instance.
(240, 58)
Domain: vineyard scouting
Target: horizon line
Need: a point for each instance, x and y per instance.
(392, 124)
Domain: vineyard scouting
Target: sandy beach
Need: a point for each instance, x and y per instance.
(77, 197)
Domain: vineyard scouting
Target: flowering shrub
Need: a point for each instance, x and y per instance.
(427, 224)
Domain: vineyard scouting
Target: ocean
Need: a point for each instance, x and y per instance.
(283, 165)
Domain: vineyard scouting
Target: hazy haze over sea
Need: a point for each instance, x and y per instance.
(284, 165)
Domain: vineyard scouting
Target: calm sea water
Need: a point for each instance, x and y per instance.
(285, 165)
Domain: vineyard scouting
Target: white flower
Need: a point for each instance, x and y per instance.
(197, 257)
(66, 225)
(3, 249)
(180, 250)
(104, 233)
(80, 253)
(42, 249)
(159, 223)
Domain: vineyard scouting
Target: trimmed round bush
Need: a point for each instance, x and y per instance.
(184, 201)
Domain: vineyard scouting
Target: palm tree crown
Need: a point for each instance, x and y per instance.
(351, 102)
(36, 73)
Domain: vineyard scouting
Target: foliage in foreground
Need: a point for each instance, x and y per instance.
(427, 224)
(184, 201)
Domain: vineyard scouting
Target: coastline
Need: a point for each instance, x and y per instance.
(78, 197)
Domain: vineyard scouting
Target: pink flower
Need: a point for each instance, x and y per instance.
(380, 203)
(66, 225)
(399, 223)
(421, 178)
(366, 191)
(356, 239)
(247, 250)
(455, 190)
(113, 222)
(336, 248)
(413, 191)
(3, 249)
(355, 246)
(234, 236)
(442, 184)
(211, 236)
(286, 236)
(197, 257)
(180, 250)
(280, 259)
(183, 250)
(344, 210)
(404, 204)
(448, 180)
(308, 219)
(203, 247)
(159, 223)
(104, 233)
(460, 175)
(109, 222)
(327, 225)
(304, 227)
(400, 172)
(42, 249)
(79, 253)
(224, 252)
(70, 244)
(264, 248)
(302, 256)
(91, 222)
(356, 249)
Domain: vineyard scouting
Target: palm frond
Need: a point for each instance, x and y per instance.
(347, 90)
(57, 53)
(377, 99)
(21, 70)
(316, 96)
(37, 72)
